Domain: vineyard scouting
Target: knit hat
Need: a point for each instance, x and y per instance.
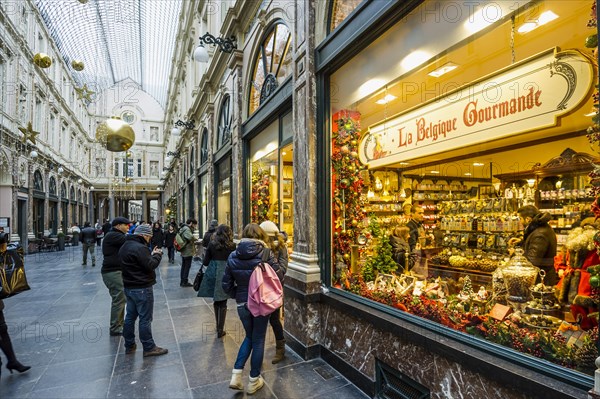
(143, 230)
(214, 223)
(269, 227)
(120, 220)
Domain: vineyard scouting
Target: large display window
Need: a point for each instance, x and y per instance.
(223, 193)
(462, 177)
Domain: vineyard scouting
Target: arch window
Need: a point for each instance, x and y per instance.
(192, 160)
(63, 190)
(204, 147)
(38, 181)
(339, 11)
(273, 64)
(52, 186)
(78, 195)
(224, 130)
(72, 194)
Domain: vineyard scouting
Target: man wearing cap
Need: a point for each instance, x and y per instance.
(112, 272)
(138, 278)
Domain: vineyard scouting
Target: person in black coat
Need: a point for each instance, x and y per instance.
(158, 236)
(240, 265)
(169, 239)
(138, 278)
(112, 272)
(88, 239)
(208, 235)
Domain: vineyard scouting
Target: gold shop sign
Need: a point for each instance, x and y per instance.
(527, 96)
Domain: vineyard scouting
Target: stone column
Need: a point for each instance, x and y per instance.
(236, 62)
(303, 271)
(91, 209)
(145, 207)
(111, 208)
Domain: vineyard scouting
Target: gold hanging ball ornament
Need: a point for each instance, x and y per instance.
(83, 1)
(115, 135)
(42, 60)
(77, 65)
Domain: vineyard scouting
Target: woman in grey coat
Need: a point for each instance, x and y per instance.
(215, 257)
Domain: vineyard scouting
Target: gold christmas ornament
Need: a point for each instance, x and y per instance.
(115, 135)
(28, 133)
(42, 60)
(77, 65)
(83, 1)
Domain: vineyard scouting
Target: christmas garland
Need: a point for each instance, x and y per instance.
(347, 206)
(593, 132)
(261, 196)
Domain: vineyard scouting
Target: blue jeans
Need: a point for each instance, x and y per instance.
(254, 342)
(140, 302)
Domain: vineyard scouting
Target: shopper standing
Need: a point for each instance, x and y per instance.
(158, 237)
(240, 265)
(88, 239)
(112, 272)
(187, 252)
(277, 245)
(169, 238)
(215, 258)
(138, 278)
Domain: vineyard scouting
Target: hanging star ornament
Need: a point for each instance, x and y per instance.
(84, 93)
(29, 133)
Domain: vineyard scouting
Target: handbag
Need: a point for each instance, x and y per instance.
(198, 279)
(12, 273)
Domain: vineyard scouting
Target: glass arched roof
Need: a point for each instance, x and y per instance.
(116, 40)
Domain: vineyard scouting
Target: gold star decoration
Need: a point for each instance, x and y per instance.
(29, 133)
(84, 93)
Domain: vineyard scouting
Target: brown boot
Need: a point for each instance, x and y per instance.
(279, 351)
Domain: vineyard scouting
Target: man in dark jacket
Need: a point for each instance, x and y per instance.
(417, 231)
(211, 229)
(539, 241)
(138, 278)
(187, 252)
(106, 227)
(112, 272)
(88, 239)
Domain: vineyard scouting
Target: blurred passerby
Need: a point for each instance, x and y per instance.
(88, 239)
(169, 238)
(187, 251)
(158, 237)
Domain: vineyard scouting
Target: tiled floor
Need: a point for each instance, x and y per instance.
(60, 329)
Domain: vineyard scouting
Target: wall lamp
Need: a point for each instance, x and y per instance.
(226, 45)
(174, 154)
(189, 125)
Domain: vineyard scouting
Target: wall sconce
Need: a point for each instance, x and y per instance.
(60, 170)
(226, 45)
(80, 181)
(33, 154)
(531, 182)
(189, 125)
(174, 154)
(92, 188)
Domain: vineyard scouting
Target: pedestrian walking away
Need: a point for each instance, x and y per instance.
(187, 251)
(240, 265)
(112, 272)
(139, 276)
(169, 238)
(88, 240)
(215, 258)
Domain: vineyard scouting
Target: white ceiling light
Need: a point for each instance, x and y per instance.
(478, 164)
(414, 59)
(468, 174)
(386, 99)
(200, 54)
(370, 86)
(444, 69)
(434, 172)
(483, 18)
(543, 19)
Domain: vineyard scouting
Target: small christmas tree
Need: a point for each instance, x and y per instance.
(467, 290)
(381, 262)
(374, 226)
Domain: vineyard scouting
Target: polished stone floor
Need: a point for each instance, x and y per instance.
(60, 329)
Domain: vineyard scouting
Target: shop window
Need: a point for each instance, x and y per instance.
(38, 181)
(203, 202)
(443, 162)
(204, 147)
(72, 194)
(63, 191)
(340, 9)
(52, 186)
(224, 129)
(192, 161)
(272, 65)
(224, 191)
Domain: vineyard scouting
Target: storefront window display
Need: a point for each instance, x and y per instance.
(272, 176)
(437, 149)
(224, 191)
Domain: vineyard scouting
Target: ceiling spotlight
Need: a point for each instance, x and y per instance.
(447, 67)
(478, 164)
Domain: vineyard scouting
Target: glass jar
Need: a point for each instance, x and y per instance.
(519, 276)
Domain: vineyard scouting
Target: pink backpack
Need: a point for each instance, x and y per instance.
(265, 293)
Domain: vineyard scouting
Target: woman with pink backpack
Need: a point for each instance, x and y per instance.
(250, 253)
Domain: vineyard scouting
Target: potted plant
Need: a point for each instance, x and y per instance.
(61, 241)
